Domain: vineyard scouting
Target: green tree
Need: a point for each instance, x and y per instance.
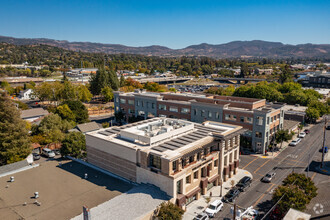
(312, 114)
(170, 211)
(285, 75)
(15, 144)
(296, 192)
(107, 93)
(122, 80)
(78, 109)
(282, 135)
(74, 144)
(83, 93)
(65, 112)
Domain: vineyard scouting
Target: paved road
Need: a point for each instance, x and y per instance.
(291, 159)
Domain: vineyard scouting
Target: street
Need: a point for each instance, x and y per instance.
(292, 159)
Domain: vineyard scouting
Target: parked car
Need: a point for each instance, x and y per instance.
(302, 135)
(295, 142)
(231, 195)
(307, 131)
(268, 177)
(244, 183)
(48, 152)
(214, 208)
(202, 216)
(328, 127)
(325, 150)
(57, 152)
(36, 156)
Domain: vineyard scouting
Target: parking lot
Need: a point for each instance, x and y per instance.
(63, 191)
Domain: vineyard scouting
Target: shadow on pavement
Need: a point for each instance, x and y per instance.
(264, 207)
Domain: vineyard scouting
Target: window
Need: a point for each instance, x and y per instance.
(199, 155)
(210, 114)
(117, 99)
(202, 113)
(161, 107)
(249, 120)
(215, 163)
(131, 102)
(214, 148)
(195, 112)
(183, 162)
(217, 115)
(174, 166)
(191, 159)
(185, 110)
(137, 103)
(278, 117)
(196, 175)
(260, 120)
(188, 179)
(230, 117)
(173, 109)
(258, 134)
(123, 101)
(272, 119)
(206, 151)
(268, 120)
(142, 103)
(155, 161)
(153, 105)
(242, 119)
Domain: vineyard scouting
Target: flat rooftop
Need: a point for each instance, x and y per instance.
(63, 191)
(164, 136)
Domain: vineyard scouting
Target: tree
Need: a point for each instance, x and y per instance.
(285, 75)
(122, 80)
(78, 109)
(169, 211)
(102, 79)
(51, 129)
(107, 93)
(65, 112)
(312, 114)
(83, 93)
(119, 116)
(15, 144)
(296, 192)
(282, 135)
(74, 144)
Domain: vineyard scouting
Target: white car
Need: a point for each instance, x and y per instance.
(202, 216)
(48, 152)
(302, 135)
(214, 208)
(295, 142)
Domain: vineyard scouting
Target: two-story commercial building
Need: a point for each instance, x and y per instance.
(261, 119)
(182, 158)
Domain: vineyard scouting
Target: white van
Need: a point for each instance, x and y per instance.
(214, 208)
(48, 152)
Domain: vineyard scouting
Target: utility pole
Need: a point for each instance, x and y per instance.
(323, 149)
(309, 155)
(234, 217)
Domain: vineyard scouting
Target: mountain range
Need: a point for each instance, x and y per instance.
(239, 49)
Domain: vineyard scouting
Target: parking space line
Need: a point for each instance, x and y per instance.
(313, 176)
(249, 163)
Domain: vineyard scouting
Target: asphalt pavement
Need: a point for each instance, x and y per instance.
(292, 159)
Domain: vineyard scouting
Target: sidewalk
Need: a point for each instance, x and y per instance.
(272, 155)
(200, 205)
(326, 166)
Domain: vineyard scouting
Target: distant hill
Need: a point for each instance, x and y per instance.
(255, 48)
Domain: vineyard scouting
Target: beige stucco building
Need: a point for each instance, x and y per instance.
(182, 158)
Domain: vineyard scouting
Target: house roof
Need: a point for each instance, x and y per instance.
(289, 124)
(87, 127)
(34, 112)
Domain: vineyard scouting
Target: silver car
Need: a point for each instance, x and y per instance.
(268, 177)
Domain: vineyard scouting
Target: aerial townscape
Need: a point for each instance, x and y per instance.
(164, 110)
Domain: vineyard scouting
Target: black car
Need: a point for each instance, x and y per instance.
(244, 183)
(231, 195)
(328, 127)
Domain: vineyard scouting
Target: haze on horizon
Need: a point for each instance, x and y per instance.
(174, 24)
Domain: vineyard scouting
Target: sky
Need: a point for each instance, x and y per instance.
(172, 23)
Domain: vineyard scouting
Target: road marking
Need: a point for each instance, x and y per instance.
(313, 176)
(261, 166)
(262, 196)
(249, 163)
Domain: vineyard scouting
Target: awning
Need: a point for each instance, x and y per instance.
(193, 192)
